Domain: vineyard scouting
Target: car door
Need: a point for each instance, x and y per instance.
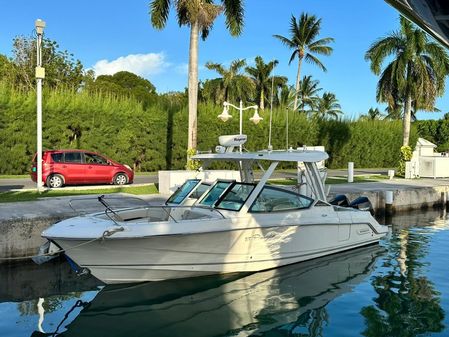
(73, 168)
(98, 169)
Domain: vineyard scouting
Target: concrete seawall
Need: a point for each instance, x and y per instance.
(22, 223)
(407, 194)
(22, 236)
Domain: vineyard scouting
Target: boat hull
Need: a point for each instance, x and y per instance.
(162, 257)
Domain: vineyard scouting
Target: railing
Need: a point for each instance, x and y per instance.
(91, 204)
(126, 210)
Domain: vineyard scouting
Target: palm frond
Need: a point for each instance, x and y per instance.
(159, 11)
(313, 60)
(234, 13)
(215, 66)
(287, 42)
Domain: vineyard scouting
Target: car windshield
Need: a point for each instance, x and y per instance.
(182, 192)
(215, 193)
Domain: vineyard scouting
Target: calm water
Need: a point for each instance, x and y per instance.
(400, 288)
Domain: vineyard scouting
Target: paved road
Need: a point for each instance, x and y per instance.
(26, 183)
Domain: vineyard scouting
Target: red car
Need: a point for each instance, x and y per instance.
(74, 167)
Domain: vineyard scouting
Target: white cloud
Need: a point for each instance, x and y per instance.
(141, 64)
(182, 69)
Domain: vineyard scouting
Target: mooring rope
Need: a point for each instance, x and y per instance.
(105, 234)
(77, 304)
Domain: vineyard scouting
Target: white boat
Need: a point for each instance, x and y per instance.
(234, 227)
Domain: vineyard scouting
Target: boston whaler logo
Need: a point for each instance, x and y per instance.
(258, 236)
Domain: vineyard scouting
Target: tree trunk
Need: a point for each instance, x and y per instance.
(193, 86)
(298, 77)
(406, 121)
(262, 100)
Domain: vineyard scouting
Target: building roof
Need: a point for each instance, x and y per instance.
(424, 142)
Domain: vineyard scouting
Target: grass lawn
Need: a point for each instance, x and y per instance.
(333, 180)
(145, 173)
(14, 176)
(357, 179)
(33, 195)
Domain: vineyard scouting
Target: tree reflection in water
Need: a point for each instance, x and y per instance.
(407, 303)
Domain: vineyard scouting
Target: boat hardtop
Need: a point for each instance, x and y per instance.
(299, 155)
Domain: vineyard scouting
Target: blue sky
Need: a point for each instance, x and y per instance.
(108, 36)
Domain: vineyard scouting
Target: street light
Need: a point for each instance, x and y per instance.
(225, 116)
(40, 75)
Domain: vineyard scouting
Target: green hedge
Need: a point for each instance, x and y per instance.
(156, 138)
(436, 131)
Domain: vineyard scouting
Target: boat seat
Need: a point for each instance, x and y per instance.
(284, 206)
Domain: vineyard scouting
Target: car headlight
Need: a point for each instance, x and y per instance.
(128, 167)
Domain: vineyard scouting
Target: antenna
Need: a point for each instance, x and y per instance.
(270, 147)
(286, 130)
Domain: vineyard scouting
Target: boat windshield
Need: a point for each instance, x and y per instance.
(273, 199)
(199, 191)
(215, 193)
(183, 192)
(235, 197)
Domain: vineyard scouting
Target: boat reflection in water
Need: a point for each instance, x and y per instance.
(234, 305)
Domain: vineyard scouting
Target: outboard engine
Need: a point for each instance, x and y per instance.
(363, 204)
(340, 200)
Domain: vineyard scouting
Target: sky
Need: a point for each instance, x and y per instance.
(109, 36)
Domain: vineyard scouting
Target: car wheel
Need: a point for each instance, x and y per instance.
(121, 179)
(55, 181)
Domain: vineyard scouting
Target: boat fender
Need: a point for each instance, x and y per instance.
(340, 200)
(362, 204)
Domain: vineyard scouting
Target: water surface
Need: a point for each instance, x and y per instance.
(399, 288)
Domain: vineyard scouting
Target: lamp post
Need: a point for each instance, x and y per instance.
(40, 75)
(225, 116)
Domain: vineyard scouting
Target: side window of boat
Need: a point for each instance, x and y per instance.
(273, 199)
(234, 198)
(182, 192)
(215, 193)
(199, 191)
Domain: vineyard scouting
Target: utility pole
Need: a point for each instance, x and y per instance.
(40, 75)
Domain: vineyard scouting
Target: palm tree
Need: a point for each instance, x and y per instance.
(327, 106)
(394, 111)
(308, 93)
(232, 84)
(200, 16)
(416, 74)
(211, 90)
(373, 114)
(286, 96)
(303, 34)
(263, 81)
